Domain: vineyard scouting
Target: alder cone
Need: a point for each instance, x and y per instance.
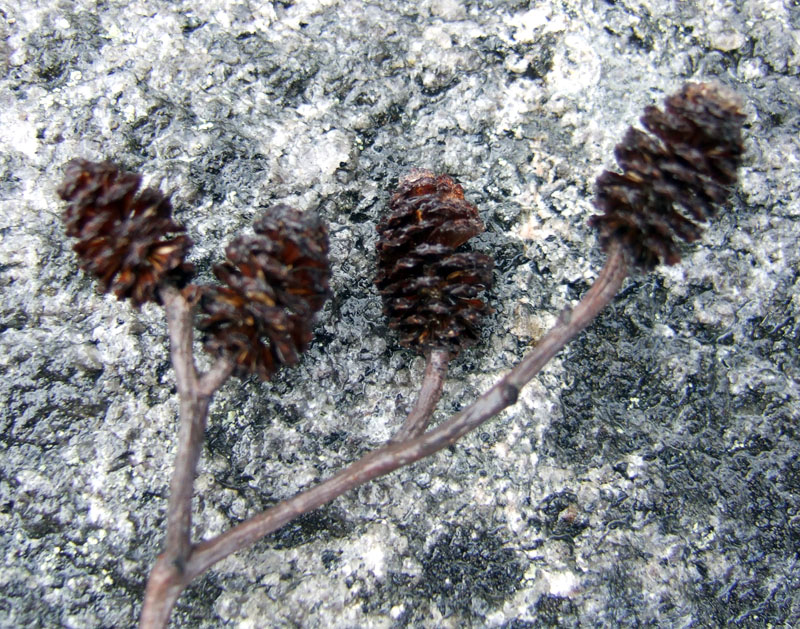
(123, 239)
(274, 283)
(673, 177)
(431, 293)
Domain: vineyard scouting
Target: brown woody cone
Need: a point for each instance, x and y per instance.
(123, 238)
(275, 281)
(431, 294)
(685, 166)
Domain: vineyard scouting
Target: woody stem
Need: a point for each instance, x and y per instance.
(428, 397)
(395, 455)
(168, 578)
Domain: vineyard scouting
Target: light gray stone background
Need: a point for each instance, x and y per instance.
(650, 476)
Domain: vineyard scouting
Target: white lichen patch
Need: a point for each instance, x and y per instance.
(576, 66)
(563, 584)
(311, 159)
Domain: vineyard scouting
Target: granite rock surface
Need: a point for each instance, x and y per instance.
(650, 476)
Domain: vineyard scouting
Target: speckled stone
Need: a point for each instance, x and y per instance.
(650, 476)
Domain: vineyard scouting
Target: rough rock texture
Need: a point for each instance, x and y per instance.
(650, 475)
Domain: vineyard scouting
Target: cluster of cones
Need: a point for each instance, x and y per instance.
(273, 282)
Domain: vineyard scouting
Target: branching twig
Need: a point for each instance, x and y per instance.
(214, 378)
(396, 455)
(671, 181)
(167, 578)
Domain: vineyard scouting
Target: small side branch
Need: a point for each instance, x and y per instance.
(429, 394)
(399, 454)
(215, 377)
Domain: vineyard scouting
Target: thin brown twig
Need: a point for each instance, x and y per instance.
(164, 585)
(193, 410)
(167, 576)
(209, 382)
(395, 455)
(173, 571)
(429, 393)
